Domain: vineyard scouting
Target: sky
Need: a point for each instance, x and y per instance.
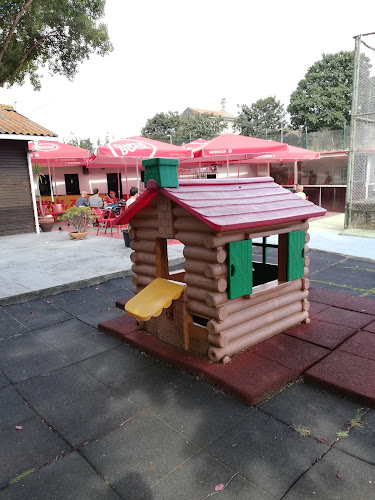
(169, 55)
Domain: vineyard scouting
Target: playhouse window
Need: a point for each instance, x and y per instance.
(164, 268)
(273, 261)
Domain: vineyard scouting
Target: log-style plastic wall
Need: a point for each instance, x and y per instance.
(232, 325)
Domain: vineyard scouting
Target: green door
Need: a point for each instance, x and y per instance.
(240, 268)
(295, 256)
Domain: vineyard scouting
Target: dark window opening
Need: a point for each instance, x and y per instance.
(198, 320)
(265, 262)
(165, 266)
(72, 184)
(44, 185)
(114, 184)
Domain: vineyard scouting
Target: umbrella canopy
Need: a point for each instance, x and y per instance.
(233, 147)
(291, 154)
(195, 145)
(58, 154)
(132, 150)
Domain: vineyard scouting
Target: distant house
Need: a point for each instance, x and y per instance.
(17, 206)
(229, 119)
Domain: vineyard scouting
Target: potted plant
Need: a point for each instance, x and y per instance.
(45, 221)
(81, 218)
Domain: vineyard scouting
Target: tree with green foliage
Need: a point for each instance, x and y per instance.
(82, 143)
(171, 127)
(199, 126)
(162, 126)
(323, 98)
(265, 116)
(60, 33)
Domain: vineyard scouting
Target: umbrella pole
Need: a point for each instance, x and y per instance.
(295, 172)
(118, 183)
(137, 173)
(54, 179)
(50, 183)
(227, 167)
(126, 178)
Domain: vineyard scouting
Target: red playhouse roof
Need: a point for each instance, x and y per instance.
(227, 205)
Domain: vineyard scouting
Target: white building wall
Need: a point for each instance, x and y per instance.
(96, 178)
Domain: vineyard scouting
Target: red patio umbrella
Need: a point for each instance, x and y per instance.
(232, 147)
(291, 154)
(131, 151)
(128, 151)
(57, 154)
(195, 145)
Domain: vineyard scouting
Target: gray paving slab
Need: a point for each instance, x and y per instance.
(152, 384)
(20, 345)
(27, 448)
(61, 333)
(88, 346)
(336, 476)
(58, 387)
(320, 412)
(67, 477)
(94, 318)
(340, 275)
(90, 415)
(198, 477)
(36, 314)
(44, 360)
(359, 263)
(267, 452)
(201, 412)
(13, 409)
(138, 454)
(3, 381)
(322, 260)
(116, 365)
(335, 288)
(360, 442)
(10, 326)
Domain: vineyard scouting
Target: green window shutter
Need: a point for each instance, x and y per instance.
(295, 255)
(240, 268)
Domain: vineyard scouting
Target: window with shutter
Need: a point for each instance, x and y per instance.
(240, 268)
(295, 255)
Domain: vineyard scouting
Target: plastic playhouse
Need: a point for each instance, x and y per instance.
(222, 301)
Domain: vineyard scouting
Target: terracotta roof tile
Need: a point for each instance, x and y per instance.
(224, 114)
(13, 123)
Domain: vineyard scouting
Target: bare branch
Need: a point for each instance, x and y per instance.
(13, 27)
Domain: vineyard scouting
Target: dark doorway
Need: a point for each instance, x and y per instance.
(72, 184)
(44, 185)
(112, 182)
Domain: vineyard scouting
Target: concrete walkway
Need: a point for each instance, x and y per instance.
(34, 265)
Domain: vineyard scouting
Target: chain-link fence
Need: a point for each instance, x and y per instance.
(360, 194)
(324, 140)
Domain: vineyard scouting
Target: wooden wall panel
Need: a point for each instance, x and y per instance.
(16, 210)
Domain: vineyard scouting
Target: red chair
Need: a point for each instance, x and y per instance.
(47, 207)
(107, 218)
(58, 210)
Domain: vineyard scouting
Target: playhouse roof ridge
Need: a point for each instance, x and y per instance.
(233, 204)
(227, 182)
